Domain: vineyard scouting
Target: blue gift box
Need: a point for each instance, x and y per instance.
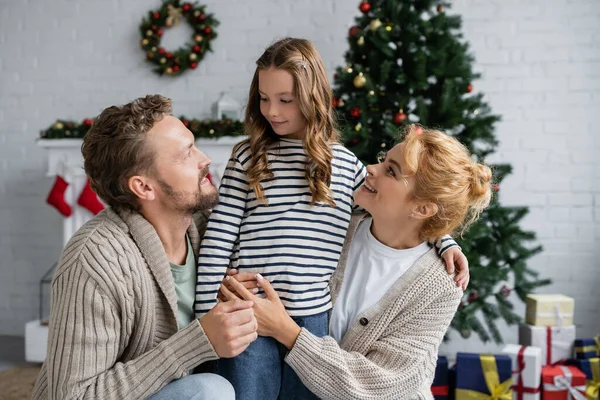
(586, 366)
(439, 387)
(469, 373)
(586, 348)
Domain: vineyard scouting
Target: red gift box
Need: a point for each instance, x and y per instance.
(563, 383)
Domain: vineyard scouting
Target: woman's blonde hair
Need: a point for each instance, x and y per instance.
(313, 93)
(447, 176)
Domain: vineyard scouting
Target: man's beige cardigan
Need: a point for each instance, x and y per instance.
(390, 352)
(113, 331)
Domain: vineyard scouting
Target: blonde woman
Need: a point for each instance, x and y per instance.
(392, 298)
(286, 202)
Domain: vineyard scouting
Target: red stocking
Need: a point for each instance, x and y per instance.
(56, 197)
(89, 199)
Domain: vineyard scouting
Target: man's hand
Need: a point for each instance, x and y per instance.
(455, 257)
(248, 279)
(230, 327)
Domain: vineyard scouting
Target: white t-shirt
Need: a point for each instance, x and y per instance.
(371, 271)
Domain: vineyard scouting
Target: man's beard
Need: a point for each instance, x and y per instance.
(201, 202)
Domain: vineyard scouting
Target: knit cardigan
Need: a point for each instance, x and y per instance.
(391, 349)
(113, 330)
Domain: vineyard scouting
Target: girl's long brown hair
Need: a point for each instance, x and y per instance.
(313, 93)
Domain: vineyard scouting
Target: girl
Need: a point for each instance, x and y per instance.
(384, 343)
(286, 200)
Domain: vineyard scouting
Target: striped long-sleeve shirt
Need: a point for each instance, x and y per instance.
(294, 244)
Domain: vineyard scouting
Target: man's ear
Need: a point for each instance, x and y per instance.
(142, 187)
(424, 210)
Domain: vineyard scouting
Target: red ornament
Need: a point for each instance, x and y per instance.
(149, 56)
(154, 27)
(169, 54)
(186, 123)
(496, 188)
(161, 50)
(335, 102)
(156, 15)
(196, 48)
(399, 118)
(354, 31)
(159, 32)
(352, 142)
(469, 88)
(88, 122)
(207, 30)
(186, 7)
(364, 7)
(201, 17)
(193, 65)
(472, 297)
(355, 112)
(175, 68)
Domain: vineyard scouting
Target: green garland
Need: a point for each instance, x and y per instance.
(188, 56)
(208, 128)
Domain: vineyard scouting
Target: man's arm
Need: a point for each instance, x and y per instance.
(87, 338)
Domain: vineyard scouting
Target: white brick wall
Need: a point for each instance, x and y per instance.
(540, 62)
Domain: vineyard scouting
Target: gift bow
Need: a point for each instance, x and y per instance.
(563, 382)
(498, 391)
(593, 387)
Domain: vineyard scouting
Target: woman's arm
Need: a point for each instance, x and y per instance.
(393, 367)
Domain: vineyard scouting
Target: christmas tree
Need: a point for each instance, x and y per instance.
(407, 63)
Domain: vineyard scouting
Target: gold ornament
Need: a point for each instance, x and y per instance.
(145, 42)
(193, 56)
(440, 8)
(169, 71)
(67, 133)
(375, 24)
(341, 103)
(349, 70)
(149, 32)
(212, 131)
(163, 60)
(383, 145)
(174, 16)
(153, 49)
(198, 38)
(58, 125)
(364, 57)
(358, 127)
(196, 13)
(360, 81)
(372, 93)
(388, 28)
(360, 41)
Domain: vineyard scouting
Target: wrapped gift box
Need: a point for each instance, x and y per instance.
(556, 342)
(560, 382)
(549, 310)
(591, 369)
(527, 371)
(478, 374)
(587, 348)
(439, 388)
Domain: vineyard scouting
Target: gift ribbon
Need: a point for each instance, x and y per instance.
(498, 391)
(592, 390)
(557, 315)
(519, 388)
(563, 382)
(550, 344)
(439, 390)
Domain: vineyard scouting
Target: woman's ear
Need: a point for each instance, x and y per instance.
(424, 210)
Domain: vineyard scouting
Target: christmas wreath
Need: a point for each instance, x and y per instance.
(170, 14)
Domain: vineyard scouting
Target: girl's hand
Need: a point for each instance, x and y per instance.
(248, 279)
(455, 257)
(269, 312)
